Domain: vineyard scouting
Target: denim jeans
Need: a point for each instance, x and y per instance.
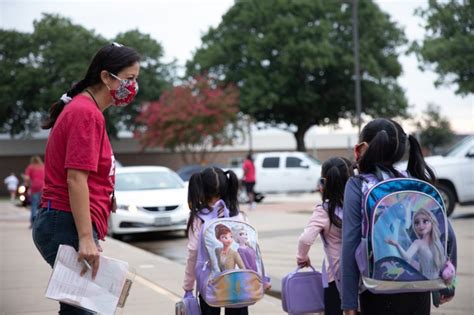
(50, 229)
(34, 200)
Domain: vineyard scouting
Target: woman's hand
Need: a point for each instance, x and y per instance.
(350, 312)
(303, 262)
(89, 252)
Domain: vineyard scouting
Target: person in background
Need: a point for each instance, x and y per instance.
(11, 181)
(78, 193)
(34, 179)
(249, 180)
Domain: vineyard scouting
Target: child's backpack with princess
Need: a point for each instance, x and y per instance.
(404, 235)
(229, 268)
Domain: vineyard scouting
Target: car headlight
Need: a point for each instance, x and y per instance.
(21, 189)
(130, 208)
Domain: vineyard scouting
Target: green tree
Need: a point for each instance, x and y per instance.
(435, 130)
(448, 46)
(293, 61)
(47, 62)
(192, 119)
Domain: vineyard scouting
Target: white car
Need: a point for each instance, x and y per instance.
(149, 198)
(283, 172)
(455, 173)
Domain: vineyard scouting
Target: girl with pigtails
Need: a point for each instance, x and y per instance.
(326, 221)
(211, 190)
(382, 143)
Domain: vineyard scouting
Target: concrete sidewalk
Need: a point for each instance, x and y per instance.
(24, 274)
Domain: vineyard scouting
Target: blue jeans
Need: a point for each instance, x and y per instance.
(34, 200)
(50, 229)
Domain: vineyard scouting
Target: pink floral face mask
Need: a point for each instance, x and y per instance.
(125, 93)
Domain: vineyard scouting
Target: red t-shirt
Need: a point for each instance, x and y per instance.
(79, 141)
(249, 171)
(36, 175)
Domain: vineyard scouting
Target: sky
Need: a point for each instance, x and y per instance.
(179, 24)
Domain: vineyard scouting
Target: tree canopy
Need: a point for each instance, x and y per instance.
(37, 68)
(435, 130)
(448, 46)
(191, 118)
(293, 61)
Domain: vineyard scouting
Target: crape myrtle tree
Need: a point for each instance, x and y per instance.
(448, 47)
(37, 68)
(293, 61)
(192, 119)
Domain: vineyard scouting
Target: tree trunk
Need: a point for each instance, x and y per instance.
(299, 136)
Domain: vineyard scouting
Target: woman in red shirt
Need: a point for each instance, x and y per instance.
(34, 179)
(78, 194)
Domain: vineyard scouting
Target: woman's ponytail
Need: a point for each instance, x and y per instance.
(56, 109)
(416, 163)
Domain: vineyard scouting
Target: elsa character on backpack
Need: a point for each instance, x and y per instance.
(211, 190)
(326, 221)
(227, 258)
(382, 143)
(427, 248)
(246, 252)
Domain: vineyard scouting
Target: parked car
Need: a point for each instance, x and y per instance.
(455, 173)
(285, 172)
(149, 198)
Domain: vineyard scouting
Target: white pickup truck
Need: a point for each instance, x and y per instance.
(455, 173)
(285, 172)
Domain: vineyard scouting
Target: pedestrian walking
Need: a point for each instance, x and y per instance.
(78, 194)
(207, 191)
(34, 179)
(249, 179)
(382, 143)
(326, 220)
(11, 181)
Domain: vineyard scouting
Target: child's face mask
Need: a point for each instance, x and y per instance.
(125, 93)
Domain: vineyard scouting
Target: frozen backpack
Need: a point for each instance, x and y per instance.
(404, 235)
(229, 268)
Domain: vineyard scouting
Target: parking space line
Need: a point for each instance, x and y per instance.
(158, 289)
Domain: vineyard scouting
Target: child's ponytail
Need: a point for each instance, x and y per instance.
(376, 153)
(232, 192)
(196, 198)
(416, 163)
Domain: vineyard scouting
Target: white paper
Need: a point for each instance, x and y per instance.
(100, 295)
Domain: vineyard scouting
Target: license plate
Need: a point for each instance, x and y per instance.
(163, 221)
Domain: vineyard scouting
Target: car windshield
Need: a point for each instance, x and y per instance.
(454, 150)
(147, 181)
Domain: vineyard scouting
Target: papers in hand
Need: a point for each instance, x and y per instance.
(100, 295)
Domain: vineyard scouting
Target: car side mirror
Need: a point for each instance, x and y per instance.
(304, 165)
(470, 153)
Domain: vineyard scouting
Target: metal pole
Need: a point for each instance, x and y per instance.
(355, 37)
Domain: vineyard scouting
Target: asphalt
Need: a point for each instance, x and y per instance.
(157, 286)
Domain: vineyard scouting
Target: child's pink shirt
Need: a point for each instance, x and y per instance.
(319, 222)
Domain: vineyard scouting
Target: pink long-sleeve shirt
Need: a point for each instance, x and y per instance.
(320, 223)
(193, 244)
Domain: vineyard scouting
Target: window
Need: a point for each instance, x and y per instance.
(292, 162)
(271, 162)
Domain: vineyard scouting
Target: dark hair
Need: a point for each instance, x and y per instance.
(386, 145)
(209, 183)
(112, 58)
(336, 172)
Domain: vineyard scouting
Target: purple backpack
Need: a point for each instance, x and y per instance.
(404, 235)
(229, 268)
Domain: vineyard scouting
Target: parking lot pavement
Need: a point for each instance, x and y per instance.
(279, 220)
